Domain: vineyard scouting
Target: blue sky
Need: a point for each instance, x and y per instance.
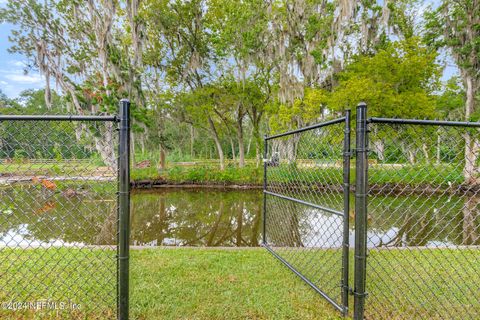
(12, 77)
(13, 80)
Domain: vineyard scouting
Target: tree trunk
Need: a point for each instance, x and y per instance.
(241, 147)
(439, 142)
(471, 144)
(379, 149)
(249, 144)
(132, 148)
(232, 146)
(105, 146)
(411, 157)
(218, 145)
(48, 91)
(192, 141)
(258, 143)
(425, 153)
(163, 163)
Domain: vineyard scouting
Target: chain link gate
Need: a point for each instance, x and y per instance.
(306, 205)
(423, 235)
(64, 213)
(416, 222)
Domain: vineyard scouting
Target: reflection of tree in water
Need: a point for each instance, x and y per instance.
(197, 217)
(435, 220)
(283, 223)
(471, 221)
(88, 218)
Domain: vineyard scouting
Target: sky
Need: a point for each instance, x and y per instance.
(12, 77)
(13, 80)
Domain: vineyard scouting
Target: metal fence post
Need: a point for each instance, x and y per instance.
(265, 165)
(123, 208)
(360, 212)
(346, 212)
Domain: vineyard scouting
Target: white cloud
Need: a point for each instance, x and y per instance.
(14, 80)
(17, 63)
(24, 78)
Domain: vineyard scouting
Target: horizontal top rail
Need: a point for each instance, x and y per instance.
(57, 118)
(425, 122)
(315, 126)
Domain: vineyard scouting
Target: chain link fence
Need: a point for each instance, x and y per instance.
(412, 244)
(423, 220)
(304, 203)
(59, 217)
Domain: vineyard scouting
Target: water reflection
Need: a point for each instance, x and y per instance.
(194, 217)
(203, 217)
(393, 221)
(32, 216)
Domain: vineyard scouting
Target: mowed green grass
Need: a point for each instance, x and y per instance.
(189, 283)
(165, 284)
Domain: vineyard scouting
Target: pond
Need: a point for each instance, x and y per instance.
(217, 217)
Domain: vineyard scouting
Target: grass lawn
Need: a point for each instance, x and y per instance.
(186, 283)
(165, 284)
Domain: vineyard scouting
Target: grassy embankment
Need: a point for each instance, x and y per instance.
(233, 284)
(250, 175)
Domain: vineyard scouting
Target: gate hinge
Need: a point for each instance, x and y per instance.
(349, 154)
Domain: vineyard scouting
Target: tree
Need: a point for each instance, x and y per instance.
(80, 46)
(451, 102)
(5, 102)
(455, 25)
(399, 81)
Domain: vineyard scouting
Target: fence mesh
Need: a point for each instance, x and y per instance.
(58, 219)
(307, 234)
(423, 222)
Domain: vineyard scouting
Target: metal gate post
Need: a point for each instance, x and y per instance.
(346, 213)
(123, 208)
(360, 212)
(265, 165)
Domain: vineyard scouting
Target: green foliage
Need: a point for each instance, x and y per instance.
(249, 175)
(451, 102)
(208, 78)
(304, 111)
(398, 81)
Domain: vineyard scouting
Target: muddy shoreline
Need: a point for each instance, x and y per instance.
(154, 184)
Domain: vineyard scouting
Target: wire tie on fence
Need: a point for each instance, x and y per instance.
(357, 294)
